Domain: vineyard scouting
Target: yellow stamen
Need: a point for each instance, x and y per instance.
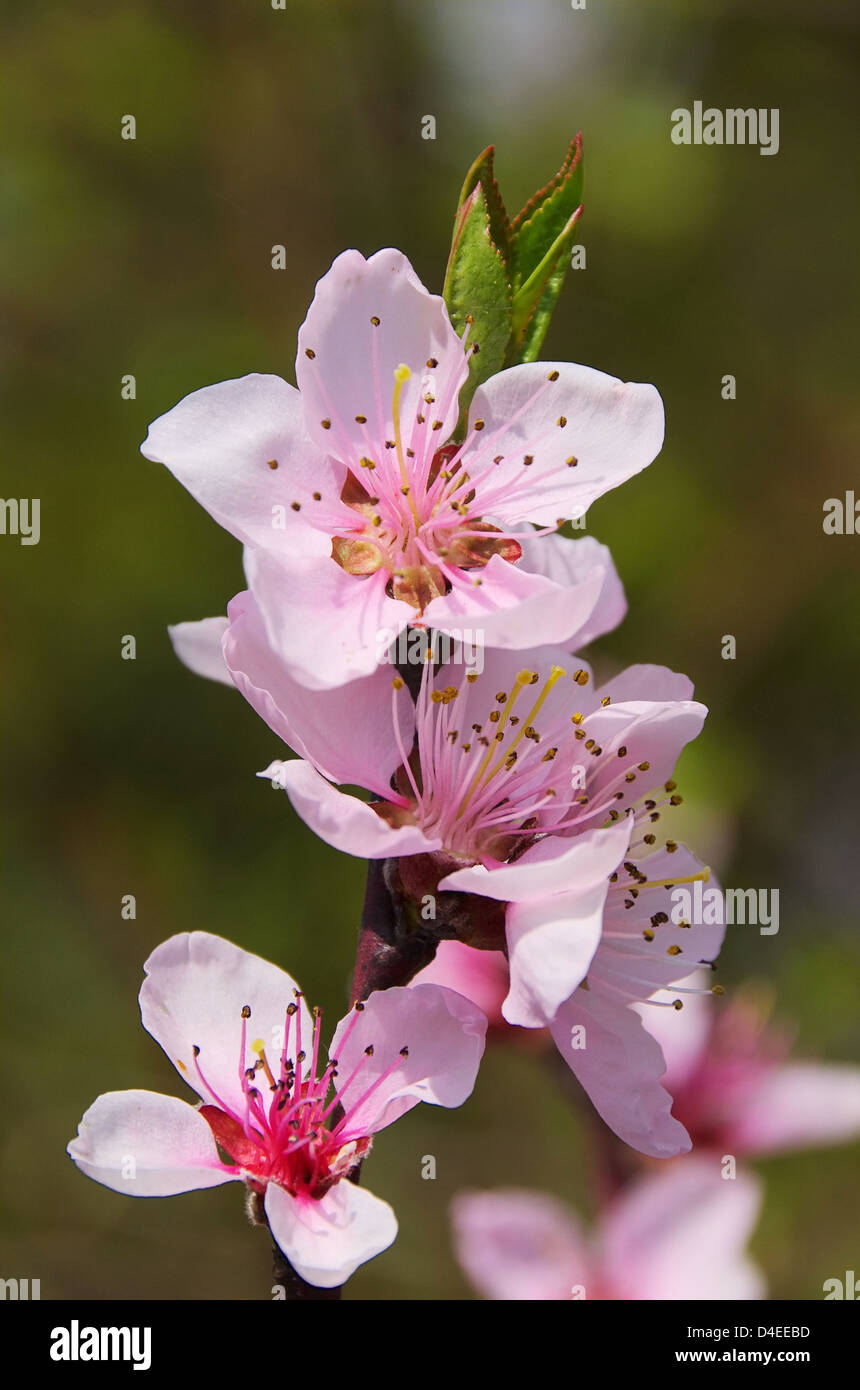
(555, 675)
(523, 679)
(259, 1047)
(702, 877)
(401, 375)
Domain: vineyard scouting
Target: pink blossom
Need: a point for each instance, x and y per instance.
(736, 1091)
(357, 514)
(533, 785)
(598, 1030)
(680, 1234)
(533, 790)
(239, 1032)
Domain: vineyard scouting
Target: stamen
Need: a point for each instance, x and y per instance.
(702, 877)
(555, 675)
(523, 679)
(401, 375)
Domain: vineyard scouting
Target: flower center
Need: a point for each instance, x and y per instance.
(417, 525)
(490, 787)
(291, 1128)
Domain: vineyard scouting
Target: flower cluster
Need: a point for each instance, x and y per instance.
(515, 803)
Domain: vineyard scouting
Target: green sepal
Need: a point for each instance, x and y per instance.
(477, 293)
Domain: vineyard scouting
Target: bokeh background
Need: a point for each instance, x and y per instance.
(302, 127)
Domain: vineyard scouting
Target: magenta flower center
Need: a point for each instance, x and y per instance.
(293, 1128)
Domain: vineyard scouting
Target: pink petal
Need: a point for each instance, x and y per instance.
(198, 646)
(325, 1241)
(351, 371)
(619, 1067)
(683, 1034)
(629, 966)
(147, 1145)
(648, 683)
(570, 563)
(651, 731)
(550, 947)
(518, 1245)
(196, 987)
(481, 976)
(681, 1235)
(797, 1106)
(314, 725)
(444, 1034)
(511, 607)
(614, 429)
(342, 820)
(552, 866)
(329, 627)
(219, 443)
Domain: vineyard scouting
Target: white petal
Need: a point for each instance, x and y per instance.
(614, 429)
(351, 370)
(444, 1034)
(198, 646)
(144, 1144)
(196, 987)
(220, 442)
(326, 1241)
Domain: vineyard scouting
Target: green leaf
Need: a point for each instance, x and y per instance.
(482, 173)
(478, 293)
(542, 235)
(535, 301)
(537, 225)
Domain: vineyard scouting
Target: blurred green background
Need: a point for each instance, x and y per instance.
(152, 257)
